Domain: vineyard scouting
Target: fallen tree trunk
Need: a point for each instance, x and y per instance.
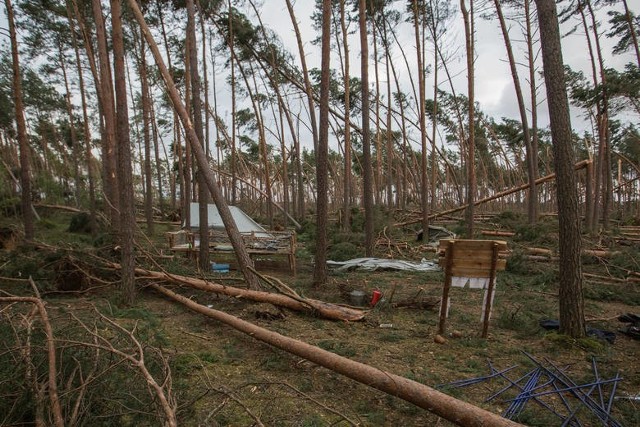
(497, 233)
(323, 309)
(60, 207)
(539, 251)
(522, 187)
(599, 253)
(454, 410)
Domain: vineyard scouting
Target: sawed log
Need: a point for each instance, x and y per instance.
(323, 309)
(452, 409)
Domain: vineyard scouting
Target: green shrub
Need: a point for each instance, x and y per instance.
(343, 251)
(509, 219)
(80, 223)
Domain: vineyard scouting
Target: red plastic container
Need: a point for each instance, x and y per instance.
(375, 297)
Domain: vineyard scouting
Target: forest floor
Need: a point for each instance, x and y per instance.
(222, 377)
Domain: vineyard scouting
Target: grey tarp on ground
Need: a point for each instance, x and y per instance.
(371, 264)
(243, 221)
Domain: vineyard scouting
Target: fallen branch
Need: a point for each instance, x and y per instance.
(306, 396)
(324, 309)
(609, 279)
(51, 354)
(136, 359)
(452, 409)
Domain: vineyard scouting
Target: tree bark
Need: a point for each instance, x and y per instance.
(424, 196)
(75, 147)
(320, 259)
(367, 185)
(146, 131)
(196, 113)
(346, 205)
(85, 119)
(234, 151)
(124, 178)
(109, 181)
(471, 144)
(571, 297)
(23, 143)
(534, 98)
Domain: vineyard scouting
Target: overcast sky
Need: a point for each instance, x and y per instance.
(494, 86)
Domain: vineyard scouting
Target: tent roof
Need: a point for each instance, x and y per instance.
(244, 222)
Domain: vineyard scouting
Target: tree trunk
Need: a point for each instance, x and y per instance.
(604, 131)
(156, 153)
(571, 297)
(471, 144)
(127, 207)
(531, 55)
(205, 81)
(377, 175)
(23, 143)
(234, 151)
(196, 113)
(85, 120)
(305, 74)
(424, 199)
(75, 147)
(320, 259)
(146, 125)
(346, 205)
(532, 199)
(434, 122)
(389, 134)
(632, 29)
(367, 185)
(109, 181)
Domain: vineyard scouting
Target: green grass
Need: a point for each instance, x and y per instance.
(337, 347)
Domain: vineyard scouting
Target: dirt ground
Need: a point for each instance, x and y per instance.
(281, 389)
(222, 377)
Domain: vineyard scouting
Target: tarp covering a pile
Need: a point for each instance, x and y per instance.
(244, 222)
(371, 264)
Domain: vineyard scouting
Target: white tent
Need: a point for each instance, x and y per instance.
(243, 221)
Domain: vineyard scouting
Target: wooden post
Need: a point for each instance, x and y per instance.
(489, 295)
(444, 304)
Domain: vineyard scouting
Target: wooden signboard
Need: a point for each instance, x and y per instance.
(471, 259)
